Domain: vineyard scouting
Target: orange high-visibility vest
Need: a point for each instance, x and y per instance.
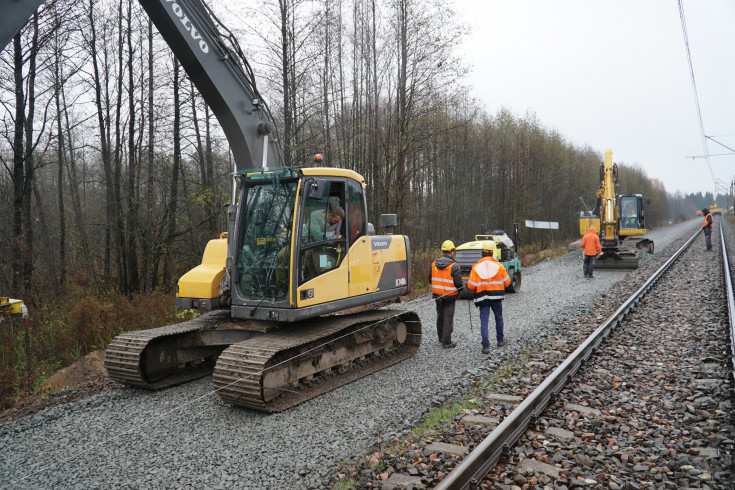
(488, 280)
(442, 282)
(706, 224)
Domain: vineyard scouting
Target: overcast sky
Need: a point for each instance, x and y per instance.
(614, 74)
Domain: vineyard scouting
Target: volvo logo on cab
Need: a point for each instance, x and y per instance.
(381, 243)
(178, 12)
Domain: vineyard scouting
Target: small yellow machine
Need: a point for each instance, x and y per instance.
(504, 252)
(12, 307)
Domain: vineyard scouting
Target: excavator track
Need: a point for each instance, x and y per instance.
(282, 369)
(164, 356)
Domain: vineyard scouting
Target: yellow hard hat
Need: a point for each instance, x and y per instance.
(448, 246)
(488, 246)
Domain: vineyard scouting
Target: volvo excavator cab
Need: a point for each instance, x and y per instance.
(330, 270)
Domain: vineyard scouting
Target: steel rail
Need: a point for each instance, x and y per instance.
(730, 298)
(500, 441)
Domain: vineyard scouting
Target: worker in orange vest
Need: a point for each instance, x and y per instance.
(591, 246)
(446, 283)
(488, 280)
(707, 228)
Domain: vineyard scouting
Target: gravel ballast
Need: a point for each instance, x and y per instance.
(652, 407)
(186, 437)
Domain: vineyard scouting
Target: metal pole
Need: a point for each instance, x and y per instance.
(469, 310)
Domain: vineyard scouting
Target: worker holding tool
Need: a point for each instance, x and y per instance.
(591, 245)
(488, 280)
(707, 227)
(446, 283)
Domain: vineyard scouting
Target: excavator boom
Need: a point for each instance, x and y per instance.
(215, 65)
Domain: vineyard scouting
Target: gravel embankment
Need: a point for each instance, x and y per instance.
(185, 437)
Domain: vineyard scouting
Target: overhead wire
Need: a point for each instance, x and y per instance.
(721, 144)
(694, 87)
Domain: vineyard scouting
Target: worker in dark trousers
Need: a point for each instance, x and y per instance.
(707, 227)
(488, 280)
(591, 245)
(446, 283)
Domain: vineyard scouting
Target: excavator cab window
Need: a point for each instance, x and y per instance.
(264, 249)
(630, 213)
(323, 230)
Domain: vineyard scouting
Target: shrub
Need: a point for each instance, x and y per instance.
(86, 319)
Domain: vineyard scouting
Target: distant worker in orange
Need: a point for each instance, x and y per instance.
(591, 246)
(446, 282)
(707, 227)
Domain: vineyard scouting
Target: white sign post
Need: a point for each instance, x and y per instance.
(544, 225)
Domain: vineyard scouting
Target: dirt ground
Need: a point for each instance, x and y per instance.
(85, 377)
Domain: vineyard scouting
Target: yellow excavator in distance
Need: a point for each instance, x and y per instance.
(619, 220)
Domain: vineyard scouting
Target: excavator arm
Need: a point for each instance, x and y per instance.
(216, 67)
(606, 196)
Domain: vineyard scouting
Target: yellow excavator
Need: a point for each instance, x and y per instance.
(298, 254)
(619, 221)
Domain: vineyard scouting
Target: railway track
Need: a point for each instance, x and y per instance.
(643, 400)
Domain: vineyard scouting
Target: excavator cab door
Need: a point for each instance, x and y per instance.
(631, 213)
(323, 242)
(325, 270)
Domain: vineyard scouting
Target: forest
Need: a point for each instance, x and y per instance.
(115, 174)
